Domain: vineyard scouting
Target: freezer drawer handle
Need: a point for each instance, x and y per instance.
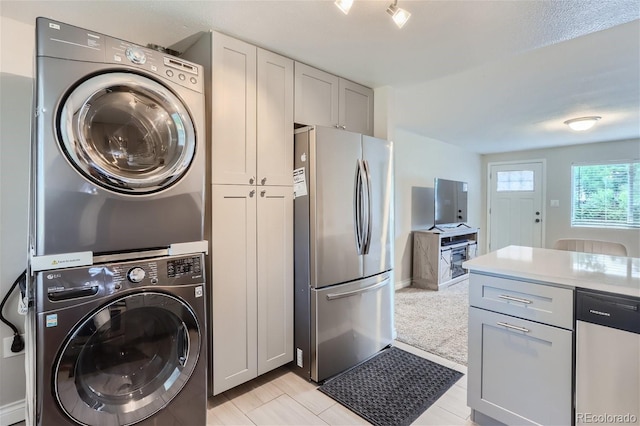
(515, 299)
(332, 296)
(513, 327)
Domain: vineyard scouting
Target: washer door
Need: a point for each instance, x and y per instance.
(126, 133)
(128, 360)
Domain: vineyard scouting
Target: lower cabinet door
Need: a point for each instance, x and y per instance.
(275, 277)
(233, 283)
(520, 372)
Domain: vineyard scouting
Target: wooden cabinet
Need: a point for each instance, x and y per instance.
(327, 100)
(438, 256)
(520, 371)
(252, 282)
(250, 94)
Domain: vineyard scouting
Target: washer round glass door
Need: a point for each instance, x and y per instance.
(128, 360)
(127, 133)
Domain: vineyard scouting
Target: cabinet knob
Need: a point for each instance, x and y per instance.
(537, 220)
(337, 126)
(252, 193)
(264, 181)
(263, 193)
(344, 127)
(251, 180)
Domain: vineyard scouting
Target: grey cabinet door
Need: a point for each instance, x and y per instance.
(355, 107)
(316, 96)
(520, 372)
(378, 160)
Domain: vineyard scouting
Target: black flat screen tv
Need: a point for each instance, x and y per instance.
(450, 203)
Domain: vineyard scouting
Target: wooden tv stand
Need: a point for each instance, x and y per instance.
(438, 255)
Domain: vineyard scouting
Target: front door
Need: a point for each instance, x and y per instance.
(515, 204)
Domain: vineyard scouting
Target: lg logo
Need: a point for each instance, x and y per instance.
(52, 276)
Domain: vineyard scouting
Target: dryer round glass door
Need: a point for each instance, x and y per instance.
(128, 360)
(126, 133)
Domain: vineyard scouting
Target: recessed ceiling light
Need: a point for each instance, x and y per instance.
(582, 123)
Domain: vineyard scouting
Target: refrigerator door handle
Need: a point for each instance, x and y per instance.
(333, 296)
(357, 208)
(369, 210)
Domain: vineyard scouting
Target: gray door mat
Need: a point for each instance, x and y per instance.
(392, 388)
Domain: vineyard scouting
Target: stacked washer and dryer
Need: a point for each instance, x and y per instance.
(117, 322)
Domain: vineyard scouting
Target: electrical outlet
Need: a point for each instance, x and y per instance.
(6, 345)
(299, 357)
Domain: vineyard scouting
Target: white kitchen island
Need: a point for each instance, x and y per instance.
(521, 329)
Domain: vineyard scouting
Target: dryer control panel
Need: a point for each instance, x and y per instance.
(59, 40)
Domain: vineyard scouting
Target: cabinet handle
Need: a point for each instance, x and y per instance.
(264, 181)
(252, 193)
(515, 299)
(251, 180)
(513, 327)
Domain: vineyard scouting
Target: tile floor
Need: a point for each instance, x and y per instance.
(281, 397)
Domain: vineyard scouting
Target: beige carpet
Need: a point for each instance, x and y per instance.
(435, 321)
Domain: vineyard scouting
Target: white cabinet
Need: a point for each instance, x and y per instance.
(328, 100)
(250, 94)
(438, 256)
(520, 360)
(251, 116)
(252, 276)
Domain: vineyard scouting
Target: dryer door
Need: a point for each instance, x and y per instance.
(126, 133)
(128, 360)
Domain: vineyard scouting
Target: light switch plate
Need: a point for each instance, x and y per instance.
(554, 203)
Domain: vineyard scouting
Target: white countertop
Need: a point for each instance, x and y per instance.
(614, 274)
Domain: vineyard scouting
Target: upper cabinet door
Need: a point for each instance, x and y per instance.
(316, 96)
(233, 111)
(275, 119)
(356, 107)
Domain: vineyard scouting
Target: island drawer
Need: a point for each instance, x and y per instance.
(537, 302)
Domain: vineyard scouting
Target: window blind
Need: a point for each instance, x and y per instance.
(606, 195)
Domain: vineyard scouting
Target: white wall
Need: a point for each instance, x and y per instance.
(559, 160)
(418, 160)
(16, 82)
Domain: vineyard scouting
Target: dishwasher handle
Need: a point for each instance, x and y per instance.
(614, 311)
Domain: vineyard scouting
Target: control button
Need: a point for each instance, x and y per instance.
(170, 73)
(193, 80)
(135, 275)
(117, 286)
(135, 55)
(154, 68)
(154, 281)
(182, 77)
(117, 58)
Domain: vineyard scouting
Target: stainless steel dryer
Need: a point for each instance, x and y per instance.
(121, 343)
(119, 155)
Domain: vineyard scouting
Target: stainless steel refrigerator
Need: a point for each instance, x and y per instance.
(343, 227)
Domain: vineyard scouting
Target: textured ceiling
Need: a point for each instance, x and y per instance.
(491, 76)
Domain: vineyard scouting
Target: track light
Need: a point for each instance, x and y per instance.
(399, 15)
(344, 5)
(582, 123)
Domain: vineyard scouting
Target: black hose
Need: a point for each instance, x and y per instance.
(18, 342)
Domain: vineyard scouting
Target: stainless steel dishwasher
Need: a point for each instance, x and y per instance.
(607, 358)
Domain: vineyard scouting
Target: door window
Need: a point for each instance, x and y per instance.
(127, 133)
(127, 360)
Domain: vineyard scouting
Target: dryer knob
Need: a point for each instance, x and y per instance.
(135, 275)
(135, 55)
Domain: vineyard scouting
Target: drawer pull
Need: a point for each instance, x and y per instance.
(513, 327)
(515, 299)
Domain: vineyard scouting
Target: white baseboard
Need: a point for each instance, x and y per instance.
(12, 413)
(403, 284)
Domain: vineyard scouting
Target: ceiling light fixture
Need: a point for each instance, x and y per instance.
(399, 15)
(344, 5)
(582, 123)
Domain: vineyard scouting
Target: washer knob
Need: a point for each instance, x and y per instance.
(137, 274)
(136, 56)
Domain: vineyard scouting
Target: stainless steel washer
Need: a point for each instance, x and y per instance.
(118, 156)
(122, 343)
